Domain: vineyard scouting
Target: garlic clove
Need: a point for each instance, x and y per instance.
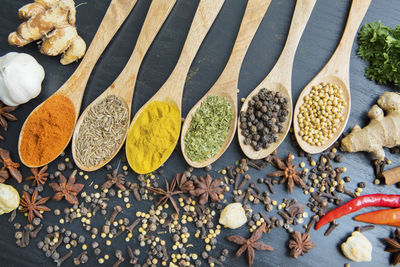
(357, 247)
(233, 216)
(9, 198)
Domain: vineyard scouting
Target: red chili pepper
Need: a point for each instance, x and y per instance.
(374, 200)
(386, 217)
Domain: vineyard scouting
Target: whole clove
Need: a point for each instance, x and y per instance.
(135, 189)
(120, 258)
(229, 172)
(245, 179)
(247, 195)
(332, 226)
(365, 228)
(237, 177)
(133, 225)
(81, 259)
(117, 209)
(322, 202)
(256, 165)
(268, 182)
(133, 259)
(60, 261)
(379, 167)
(56, 245)
(348, 192)
(311, 224)
(35, 232)
(295, 209)
(255, 188)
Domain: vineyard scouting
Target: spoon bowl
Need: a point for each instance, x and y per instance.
(123, 87)
(227, 84)
(75, 86)
(231, 133)
(275, 87)
(336, 72)
(280, 78)
(346, 112)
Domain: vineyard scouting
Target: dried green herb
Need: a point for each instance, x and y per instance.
(208, 129)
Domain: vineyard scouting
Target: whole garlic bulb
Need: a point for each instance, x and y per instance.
(21, 77)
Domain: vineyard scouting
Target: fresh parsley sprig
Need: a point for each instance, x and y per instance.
(380, 46)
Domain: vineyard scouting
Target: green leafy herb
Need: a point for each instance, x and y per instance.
(380, 46)
(208, 129)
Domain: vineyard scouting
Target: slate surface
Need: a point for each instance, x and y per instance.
(318, 43)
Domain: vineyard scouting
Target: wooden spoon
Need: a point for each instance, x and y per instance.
(172, 89)
(336, 71)
(75, 86)
(227, 83)
(280, 77)
(123, 87)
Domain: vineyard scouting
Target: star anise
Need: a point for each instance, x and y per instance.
(68, 189)
(208, 188)
(250, 244)
(33, 205)
(114, 179)
(288, 172)
(167, 194)
(39, 177)
(3, 175)
(393, 246)
(6, 115)
(300, 244)
(183, 183)
(10, 165)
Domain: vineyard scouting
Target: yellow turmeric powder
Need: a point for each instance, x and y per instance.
(153, 136)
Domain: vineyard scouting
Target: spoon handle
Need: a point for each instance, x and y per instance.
(156, 15)
(116, 14)
(206, 13)
(341, 58)
(282, 70)
(253, 15)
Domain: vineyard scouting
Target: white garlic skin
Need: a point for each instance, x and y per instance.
(357, 247)
(233, 216)
(21, 77)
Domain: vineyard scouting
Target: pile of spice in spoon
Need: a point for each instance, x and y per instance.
(321, 113)
(153, 136)
(47, 131)
(208, 129)
(101, 131)
(264, 119)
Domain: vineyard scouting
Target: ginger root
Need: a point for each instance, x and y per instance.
(53, 21)
(382, 131)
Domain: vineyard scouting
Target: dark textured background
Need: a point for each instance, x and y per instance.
(318, 43)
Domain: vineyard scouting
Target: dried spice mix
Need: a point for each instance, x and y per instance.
(208, 129)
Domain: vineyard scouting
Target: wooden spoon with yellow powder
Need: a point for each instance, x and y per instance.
(154, 131)
(92, 130)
